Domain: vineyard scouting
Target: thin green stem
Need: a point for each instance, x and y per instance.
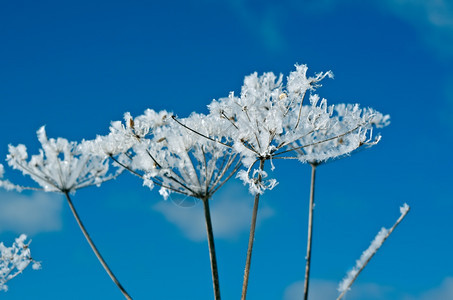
(93, 247)
(251, 237)
(310, 230)
(212, 254)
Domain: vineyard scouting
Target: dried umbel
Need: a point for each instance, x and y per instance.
(189, 156)
(64, 167)
(14, 259)
(60, 166)
(347, 129)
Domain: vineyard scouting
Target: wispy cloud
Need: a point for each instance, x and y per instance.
(319, 290)
(327, 290)
(262, 22)
(231, 211)
(444, 291)
(30, 214)
(432, 18)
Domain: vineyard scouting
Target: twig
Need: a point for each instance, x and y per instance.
(368, 254)
(199, 133)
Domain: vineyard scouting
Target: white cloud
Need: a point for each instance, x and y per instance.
(231, 211)
(30, 214)
(318, 290)
(444, 291)
(327, 290)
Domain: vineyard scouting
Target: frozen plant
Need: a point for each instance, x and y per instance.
(14, 259)
(259, 119)
(178, 157)
(348, 129)
(368, 254)
(61, 166)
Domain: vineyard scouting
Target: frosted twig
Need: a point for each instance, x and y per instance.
(366, 256)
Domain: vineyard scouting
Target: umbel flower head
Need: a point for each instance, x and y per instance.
(348, 129)
(260, 116)
(14, 259)
(123, 137)
(60, 166)
(174, 155)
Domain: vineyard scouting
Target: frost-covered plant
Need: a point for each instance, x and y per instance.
(178, 157)
(367, 255)
(14, 259)
(346, 130)
(61, 166)
(197, 155)
(259, 120)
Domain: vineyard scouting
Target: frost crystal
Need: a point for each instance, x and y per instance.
(14, 260)
(60, 166)
(6, 184)
(366, 256)
(268, 116)
(348, 128)
(188, 156)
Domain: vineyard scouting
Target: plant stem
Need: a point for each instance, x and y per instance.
(310, 230)
(212, 254)
(370, 256)
(93, 247)
(251, 237)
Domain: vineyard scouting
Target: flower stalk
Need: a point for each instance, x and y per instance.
(251, 236)
(93, 247)
(310, 230)
(212, 253)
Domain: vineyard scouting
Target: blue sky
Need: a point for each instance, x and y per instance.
(76, 66)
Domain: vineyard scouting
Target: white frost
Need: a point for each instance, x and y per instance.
(14, 260)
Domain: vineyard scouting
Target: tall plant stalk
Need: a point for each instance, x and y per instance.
(93, 247)
(212, 253)
(251, 236)
(310, 230)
